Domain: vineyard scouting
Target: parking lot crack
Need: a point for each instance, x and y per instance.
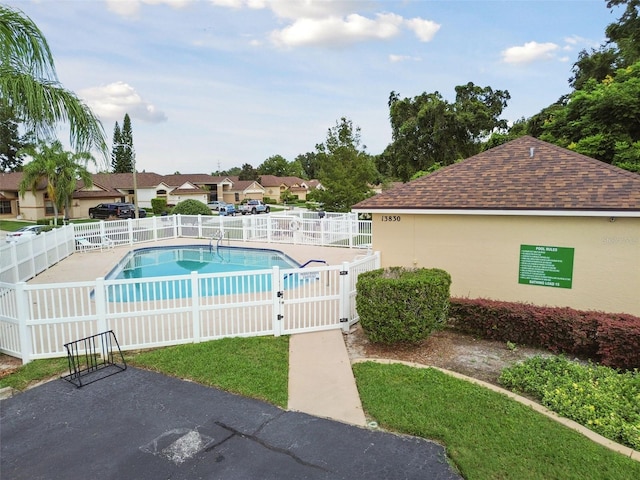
(266, 445)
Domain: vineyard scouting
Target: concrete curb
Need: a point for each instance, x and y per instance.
(6, 392)
(605, 442)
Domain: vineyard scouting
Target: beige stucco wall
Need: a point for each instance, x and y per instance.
(32, 207)
(482, 254)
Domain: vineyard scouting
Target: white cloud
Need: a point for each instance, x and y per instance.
(424, 29)
(529, 52)
(111, 102)
(402, 58)
(337, 31)
(129, 8)
(297, 9)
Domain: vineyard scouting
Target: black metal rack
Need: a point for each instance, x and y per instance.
(94, 358)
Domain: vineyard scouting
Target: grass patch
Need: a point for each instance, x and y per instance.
(34, 372)
(13, 225)
(487, 435)
(256, 367)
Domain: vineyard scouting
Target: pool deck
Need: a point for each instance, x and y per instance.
(89, 265)
(321, 382)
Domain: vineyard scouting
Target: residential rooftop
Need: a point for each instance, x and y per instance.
(524, 174)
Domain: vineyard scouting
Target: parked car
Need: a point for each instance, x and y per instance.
(24, 233)
(142, 212)
(227, 209)
(254, 207)
(115, 210)
(216, 204)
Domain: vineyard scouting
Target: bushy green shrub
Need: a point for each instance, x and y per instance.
(159, 205)
(191, 207)
(598, 397)
(402, 305)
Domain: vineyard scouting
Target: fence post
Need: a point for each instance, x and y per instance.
(351, 229)
(277, 296)
(154, 222)
(345, 296)
(130, 231)
(22, 310)
(195, 306)
(100, 298)
(245, 227)
(103, 230)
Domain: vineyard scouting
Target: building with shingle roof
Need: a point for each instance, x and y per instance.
(276, 187)
(119, 187)
(526, 221)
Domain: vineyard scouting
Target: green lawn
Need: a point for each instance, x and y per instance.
(486, 434)
(13, 225)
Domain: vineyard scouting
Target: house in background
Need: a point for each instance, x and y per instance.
(119, 187)
(525, 222)
(277, 188)
(9, 198)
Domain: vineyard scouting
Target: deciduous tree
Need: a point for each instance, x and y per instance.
(427, 129)
(279, 166)
(248, 173)
(11, 142)
(346, 170)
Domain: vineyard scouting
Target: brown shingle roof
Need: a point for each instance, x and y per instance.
(524, 174)
(275, 181)
(195, 178)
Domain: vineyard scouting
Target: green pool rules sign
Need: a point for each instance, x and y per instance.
(546, 266)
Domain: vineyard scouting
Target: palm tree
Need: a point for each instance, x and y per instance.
(29, 85)
(58, 171)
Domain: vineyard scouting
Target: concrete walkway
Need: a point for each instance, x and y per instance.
(321, 381)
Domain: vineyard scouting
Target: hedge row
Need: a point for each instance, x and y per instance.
(609, 339)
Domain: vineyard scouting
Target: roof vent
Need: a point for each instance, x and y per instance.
(532, 151)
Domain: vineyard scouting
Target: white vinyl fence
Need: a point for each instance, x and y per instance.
(36, 320)
(296, 226)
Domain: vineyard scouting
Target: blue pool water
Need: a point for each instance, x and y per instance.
(180, 261)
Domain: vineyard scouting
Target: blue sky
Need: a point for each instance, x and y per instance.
(213, 84)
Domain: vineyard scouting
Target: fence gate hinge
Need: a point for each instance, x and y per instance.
(343, 320)
(281, 294)
(344, 272)
(280, 317)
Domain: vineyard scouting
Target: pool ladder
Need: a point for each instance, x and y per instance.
(218, 236)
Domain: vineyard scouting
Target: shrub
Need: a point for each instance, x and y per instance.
(191, 207)
(598, 397)
(612, 339)
(402, 305)
(159, 205)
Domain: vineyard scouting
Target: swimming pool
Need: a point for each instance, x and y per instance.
(159, 263)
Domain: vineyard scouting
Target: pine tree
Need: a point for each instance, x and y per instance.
(127, 139)
(122, 154)
(116, 166)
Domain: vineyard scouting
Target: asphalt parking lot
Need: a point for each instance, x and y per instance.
(143, 425)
